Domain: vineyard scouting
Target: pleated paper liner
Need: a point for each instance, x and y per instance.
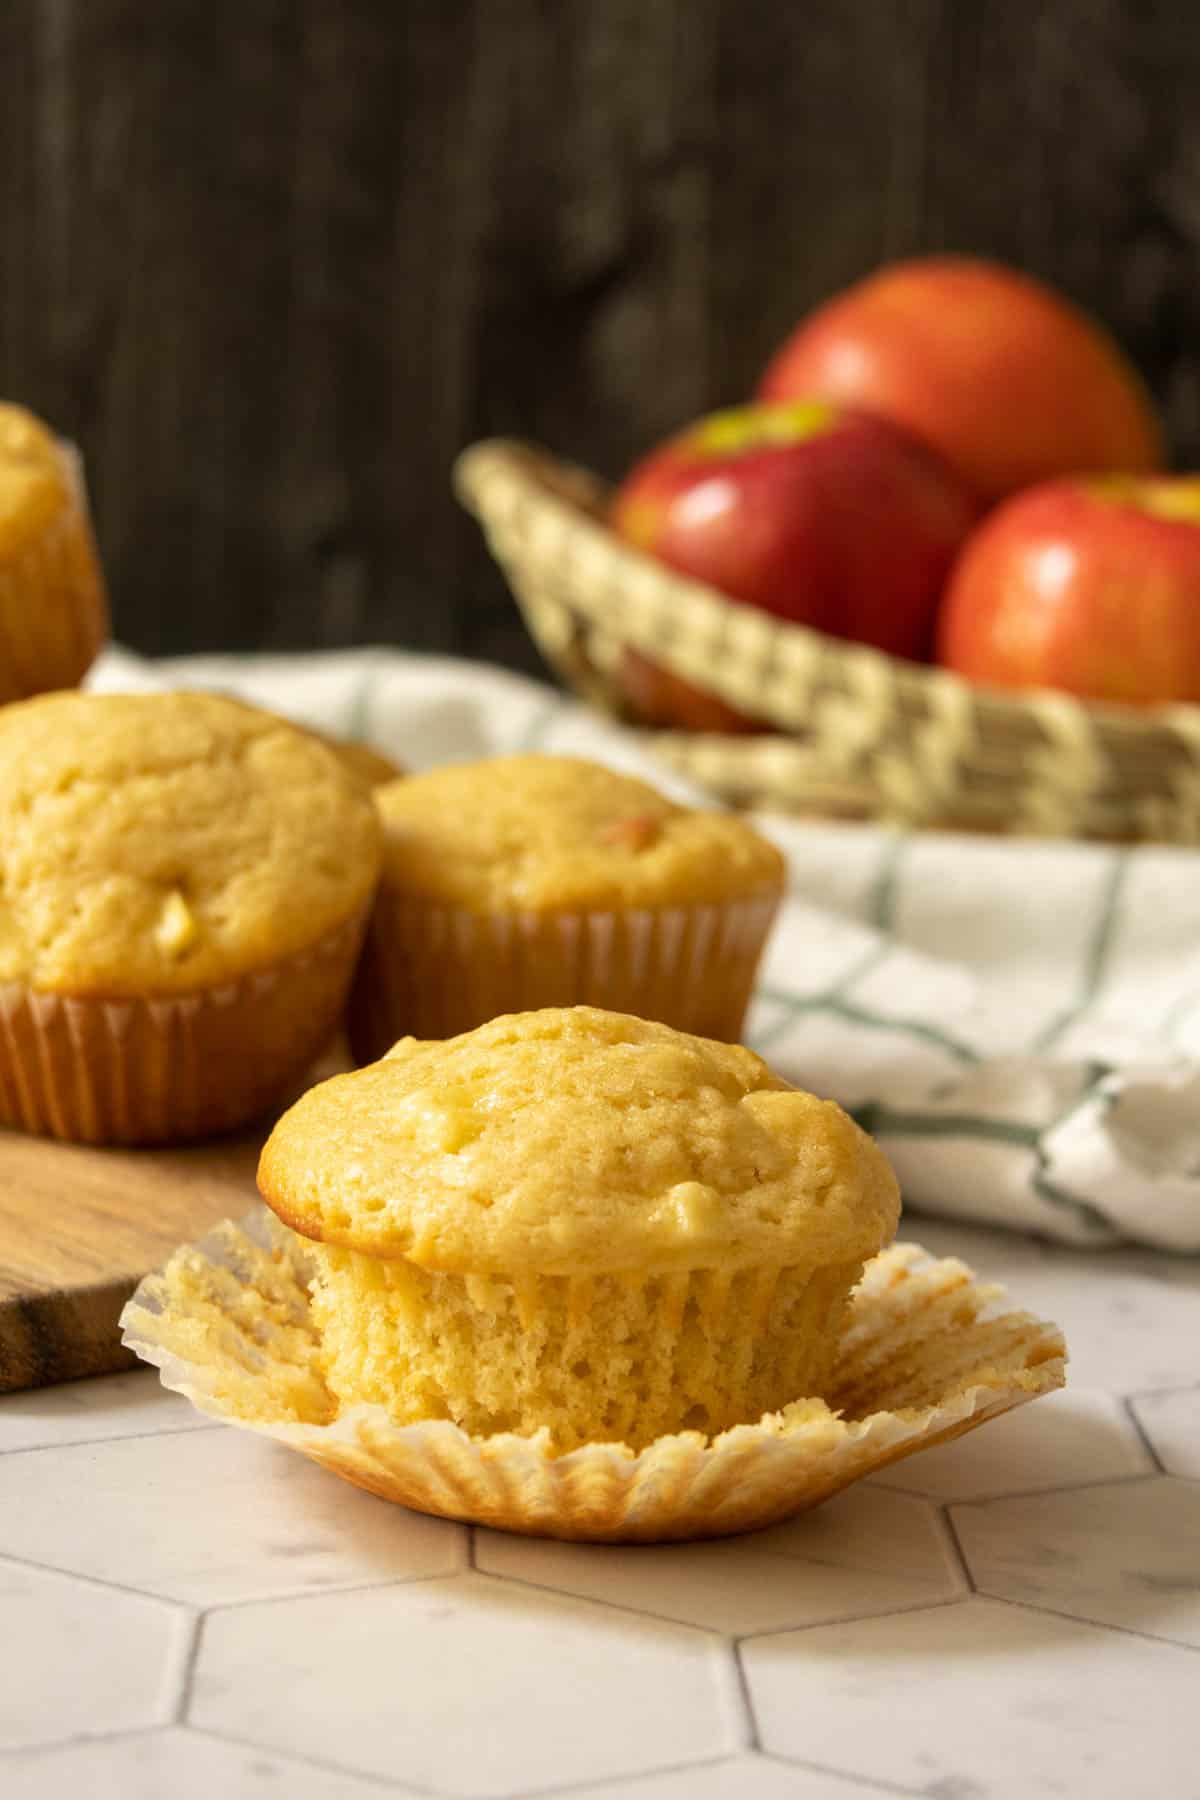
(175, 1067)
(847, 730)
(927, 1353)
(432, 971)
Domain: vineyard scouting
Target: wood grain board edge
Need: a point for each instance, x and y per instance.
(62, 1335)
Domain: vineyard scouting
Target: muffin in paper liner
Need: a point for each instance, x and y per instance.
(432, 971)
(53, 604)
(926, 1353)
(147, 1070)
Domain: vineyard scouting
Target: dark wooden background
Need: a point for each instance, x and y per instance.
(272, 264)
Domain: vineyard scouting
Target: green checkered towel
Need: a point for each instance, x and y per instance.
(1017, 1021)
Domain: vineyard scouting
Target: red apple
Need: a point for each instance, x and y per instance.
(1006, 380)
(1091, 586)
(820, 515)
(657, 697)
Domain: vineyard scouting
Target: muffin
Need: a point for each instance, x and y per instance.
(579, 1223)
(532, 881)
(184, 883)
(53, 611)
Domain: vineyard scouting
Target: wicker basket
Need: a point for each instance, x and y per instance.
(859, 734)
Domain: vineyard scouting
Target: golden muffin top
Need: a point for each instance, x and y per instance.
(542, 832)
(574, 1142)
(34, 484)
(153, 843)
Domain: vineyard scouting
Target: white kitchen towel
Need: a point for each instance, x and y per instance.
(1017, 1021)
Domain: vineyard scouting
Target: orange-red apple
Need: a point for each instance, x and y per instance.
(1010, 383)
(657, 697)
(1091, 586)
(820, 515)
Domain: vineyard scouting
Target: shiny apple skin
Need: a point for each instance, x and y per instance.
(1006, 380)
(1088, 587)
(849, 528)
(655, 696)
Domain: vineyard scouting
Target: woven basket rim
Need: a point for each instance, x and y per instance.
(499, 473)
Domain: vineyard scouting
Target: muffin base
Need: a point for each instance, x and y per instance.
(53, 606)
(624, 1358)
(153, 1071)
(925, 1354)
(435, 971)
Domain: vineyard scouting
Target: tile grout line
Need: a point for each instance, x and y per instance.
(956, 1545)
(187, 1673)
(78, 1739)
(589, 1783)
(314, 1593)
(715, 1631)
(1058, 1487)
(614, 1606)
(409, 1785)
(847, 1775)
(100, 1581)
(385, 1783)
(1055, 1612)
(802, 1560)
(852, 1618)
(196, 1607)
(742, 1689)
(121, 1437)
(1125, 1401)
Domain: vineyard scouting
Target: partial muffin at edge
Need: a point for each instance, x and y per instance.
(183, 887)
(53, 606)
(578, 1221)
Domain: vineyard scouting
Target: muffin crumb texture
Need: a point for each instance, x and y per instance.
(611, 1358)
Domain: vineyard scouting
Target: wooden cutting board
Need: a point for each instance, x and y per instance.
(78, 1230)
(80, 1227)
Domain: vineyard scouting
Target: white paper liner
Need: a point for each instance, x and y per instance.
(926, 1354)
(433, 971)
(155, 1070)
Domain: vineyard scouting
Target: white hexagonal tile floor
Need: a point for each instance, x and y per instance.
(871, 1528)
(467, 1686)
(728, 1587)
(1127, 1320)
(175, 1765)
(981, 1701)
(1125, 1555)
(1065, 1440)
(741, 1778)
(211, 1516)
(344, 1649)
(76, 1657)
(1172, 1424)
(131, 1405)
(864, 1552)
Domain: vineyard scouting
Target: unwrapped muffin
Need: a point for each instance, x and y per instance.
(53, 610)
(577, 1221)
(184, 883)
(532, 881)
